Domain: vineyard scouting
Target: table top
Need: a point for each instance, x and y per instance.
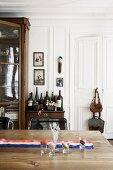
(99, 158)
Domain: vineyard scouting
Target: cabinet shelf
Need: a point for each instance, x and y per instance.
(11, 40)
(6, 103)
(8, 63)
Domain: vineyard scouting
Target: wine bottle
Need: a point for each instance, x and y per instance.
(52, 102)
(59, 102)
(55, 102)
(36, 95)
(41, 102)
(52, 97)
(30, 101)
(46, 100)
(36, 100)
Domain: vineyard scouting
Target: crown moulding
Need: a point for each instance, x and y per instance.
(75, 12)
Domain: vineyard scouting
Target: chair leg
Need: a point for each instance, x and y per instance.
(29, 125)
(12, 124)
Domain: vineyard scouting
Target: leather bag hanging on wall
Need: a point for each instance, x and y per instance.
(96, 105)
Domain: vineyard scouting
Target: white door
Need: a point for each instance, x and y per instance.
(91, 66)
(108, 85)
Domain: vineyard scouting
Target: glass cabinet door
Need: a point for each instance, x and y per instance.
(9, 71)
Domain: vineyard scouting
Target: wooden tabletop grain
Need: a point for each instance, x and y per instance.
(99, 158)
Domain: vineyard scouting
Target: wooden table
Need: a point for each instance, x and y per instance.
(99, 158)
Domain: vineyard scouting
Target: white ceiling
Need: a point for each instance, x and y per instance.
(57, 7)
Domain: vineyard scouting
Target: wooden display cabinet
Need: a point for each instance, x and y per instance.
(13, 68)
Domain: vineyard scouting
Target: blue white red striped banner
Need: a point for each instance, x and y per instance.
(39, 143)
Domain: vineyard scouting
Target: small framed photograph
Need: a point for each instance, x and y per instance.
(38, 59)
(39, 76)
(59, 82)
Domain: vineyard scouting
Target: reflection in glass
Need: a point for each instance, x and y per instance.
(9, 70)
(7, 31)
(9, 63)
(8, 82)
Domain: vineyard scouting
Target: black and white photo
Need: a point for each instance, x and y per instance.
(38, 59)
(39, 76)
(59, 82)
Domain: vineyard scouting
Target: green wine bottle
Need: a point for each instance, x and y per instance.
(46, 100)
(36, 100)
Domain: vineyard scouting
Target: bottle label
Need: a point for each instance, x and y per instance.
(59, 103)
(30, 103)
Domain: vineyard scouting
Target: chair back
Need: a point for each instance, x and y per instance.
(44, 123)
(35, 124)
(5, 122)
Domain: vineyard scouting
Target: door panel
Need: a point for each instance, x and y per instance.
(85, 51)
(91, 59)
(108, 85)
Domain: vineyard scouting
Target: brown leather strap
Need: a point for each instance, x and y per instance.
(98, 96)
(96, 93)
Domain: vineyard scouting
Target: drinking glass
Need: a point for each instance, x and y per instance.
(55, 136)
(43, 147)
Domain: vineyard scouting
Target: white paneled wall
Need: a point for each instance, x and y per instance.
(87, 51)
(39, 42)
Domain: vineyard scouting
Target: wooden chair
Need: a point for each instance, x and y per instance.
(6, 123)
(34, 124)
(44, 123)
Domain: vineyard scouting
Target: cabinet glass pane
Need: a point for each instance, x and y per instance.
(9, 70)
(8, 54)
(8, 82)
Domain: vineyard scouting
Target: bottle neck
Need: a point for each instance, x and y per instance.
(52, 97)
(59, 92)
(36, 95)
(41, 98)
(30, 96)
(36, 91)
(41, 95)
(46, 94)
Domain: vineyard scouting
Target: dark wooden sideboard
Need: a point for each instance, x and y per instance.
(44, 114)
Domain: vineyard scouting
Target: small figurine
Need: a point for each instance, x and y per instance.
(65, 148)
(51, 149)
(82, 144)
(42, 152)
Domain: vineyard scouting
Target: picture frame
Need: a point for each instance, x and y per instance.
(39, 76)
(38, 59)
(59, 82)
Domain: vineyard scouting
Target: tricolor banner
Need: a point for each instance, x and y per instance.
(44, 143)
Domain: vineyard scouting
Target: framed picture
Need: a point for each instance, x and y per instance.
(38, 59)
(39, 76)
(59, 82)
